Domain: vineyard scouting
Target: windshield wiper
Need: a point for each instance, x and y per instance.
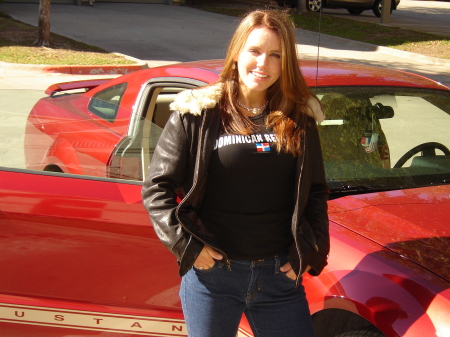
(343, 189)
(349, 189)
(440, 182)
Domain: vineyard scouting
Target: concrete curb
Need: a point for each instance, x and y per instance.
(20, 69)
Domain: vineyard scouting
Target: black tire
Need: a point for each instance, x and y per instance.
(370, 332)
(354, 11)
(53, 168)
(314, 5)
(377, 8)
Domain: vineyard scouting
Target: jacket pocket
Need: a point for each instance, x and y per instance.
(305, 231)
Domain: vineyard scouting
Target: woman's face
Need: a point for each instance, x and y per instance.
(259, 62)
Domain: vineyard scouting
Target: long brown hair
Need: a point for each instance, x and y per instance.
(287, 96)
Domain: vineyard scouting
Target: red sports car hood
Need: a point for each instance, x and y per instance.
(414, 223)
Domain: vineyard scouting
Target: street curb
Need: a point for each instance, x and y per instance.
(15, 68)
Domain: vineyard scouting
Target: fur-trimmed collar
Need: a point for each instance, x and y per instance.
(196, 100)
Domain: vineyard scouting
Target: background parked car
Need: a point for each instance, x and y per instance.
(354, 7)
(79, 256)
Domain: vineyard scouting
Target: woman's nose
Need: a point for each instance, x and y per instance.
(261, 61)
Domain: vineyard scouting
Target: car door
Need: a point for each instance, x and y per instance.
(71, 243)
(78, 254)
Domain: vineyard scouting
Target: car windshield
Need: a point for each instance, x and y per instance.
(382, 138)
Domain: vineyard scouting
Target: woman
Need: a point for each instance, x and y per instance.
(245, 151)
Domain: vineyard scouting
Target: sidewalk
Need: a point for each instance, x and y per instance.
(159, 34)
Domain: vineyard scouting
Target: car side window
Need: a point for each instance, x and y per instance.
(156, 118)
(132, 157)
(105, 104)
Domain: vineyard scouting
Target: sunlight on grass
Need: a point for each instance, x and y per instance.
(42, 55)
(393, 37)
(17, 45)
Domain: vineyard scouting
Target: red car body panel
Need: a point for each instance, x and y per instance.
(416, 220)
(88, 245)
(79, 256)
(88, 250)
(414, 239)
(86, 84)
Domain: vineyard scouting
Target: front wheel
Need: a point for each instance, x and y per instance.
(378, 7)
(314, 5)
(354, 11)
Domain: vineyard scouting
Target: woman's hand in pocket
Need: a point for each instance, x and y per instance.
(206, 258)
(287, 269)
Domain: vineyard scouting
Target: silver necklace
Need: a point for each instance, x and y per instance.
(254, 111)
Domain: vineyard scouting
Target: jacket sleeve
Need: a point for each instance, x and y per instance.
(170, 169)
(316, 211)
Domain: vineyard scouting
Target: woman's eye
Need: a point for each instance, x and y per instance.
(278, 56)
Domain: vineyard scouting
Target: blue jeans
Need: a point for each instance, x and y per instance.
(213, 300)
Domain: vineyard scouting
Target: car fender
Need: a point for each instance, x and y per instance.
(395, 303)
(63, 155)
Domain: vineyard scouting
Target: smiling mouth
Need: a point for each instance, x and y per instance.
(259, 75)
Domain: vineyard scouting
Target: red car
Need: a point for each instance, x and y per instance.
(79, 256)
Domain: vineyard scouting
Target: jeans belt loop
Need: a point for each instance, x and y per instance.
(277, 264)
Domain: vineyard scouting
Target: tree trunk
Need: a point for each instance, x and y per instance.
(44, 24)
(301, 6)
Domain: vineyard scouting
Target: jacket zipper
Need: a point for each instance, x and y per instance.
(297, 205)
(197, 163)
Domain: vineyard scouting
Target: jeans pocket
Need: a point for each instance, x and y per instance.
(285, 277)
(217, 264)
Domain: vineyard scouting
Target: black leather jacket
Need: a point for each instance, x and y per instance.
(180, 163)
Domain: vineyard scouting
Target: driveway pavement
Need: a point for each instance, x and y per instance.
(161, 34)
